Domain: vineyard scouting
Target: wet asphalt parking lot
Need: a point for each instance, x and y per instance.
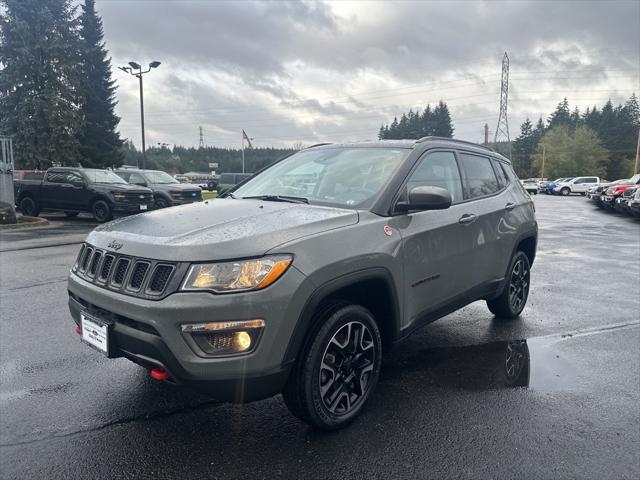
(444, 407)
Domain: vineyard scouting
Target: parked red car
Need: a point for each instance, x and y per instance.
(612, 193)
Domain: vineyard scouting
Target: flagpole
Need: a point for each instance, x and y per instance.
(243, 151)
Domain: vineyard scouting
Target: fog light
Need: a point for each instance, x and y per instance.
(243, 341)
(224, 338)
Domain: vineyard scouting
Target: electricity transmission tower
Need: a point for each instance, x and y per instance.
(502, 130)
(201, 138)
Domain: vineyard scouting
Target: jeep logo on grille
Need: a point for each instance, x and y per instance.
(115, 245)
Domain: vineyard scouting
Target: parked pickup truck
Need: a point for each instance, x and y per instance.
(75, 190)
(576, 185)
(167, 191)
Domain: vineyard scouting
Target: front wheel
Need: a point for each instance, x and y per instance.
(514, 297)
(161, 203)
(565, 191)
(337, 370)
(101, 211)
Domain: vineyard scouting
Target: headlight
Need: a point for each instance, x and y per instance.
(118, 197)
(238, 275)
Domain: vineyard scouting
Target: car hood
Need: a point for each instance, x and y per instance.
(177, 187)
(217, 229)
(123, 187)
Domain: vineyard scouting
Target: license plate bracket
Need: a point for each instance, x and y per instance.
(96, 333)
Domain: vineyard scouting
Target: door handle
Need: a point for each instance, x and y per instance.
(510, 206)
(467, 218)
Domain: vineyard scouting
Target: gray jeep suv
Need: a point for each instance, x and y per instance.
(300, 277)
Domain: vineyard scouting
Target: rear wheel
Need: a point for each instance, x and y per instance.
(29, 207)
(101, 211)
(71, 214)
(338, 368)
(514, 297)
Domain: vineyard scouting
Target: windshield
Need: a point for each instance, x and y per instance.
(345, 177)
(102, 176)
(159, 177)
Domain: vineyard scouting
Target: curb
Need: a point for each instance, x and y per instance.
(25, 222)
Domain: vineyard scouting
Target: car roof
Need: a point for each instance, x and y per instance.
(414, 143)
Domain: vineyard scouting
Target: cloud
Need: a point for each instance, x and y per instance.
(311, 71)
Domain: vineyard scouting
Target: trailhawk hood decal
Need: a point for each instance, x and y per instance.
(218, 229)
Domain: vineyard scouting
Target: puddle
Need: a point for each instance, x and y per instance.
(536, 364)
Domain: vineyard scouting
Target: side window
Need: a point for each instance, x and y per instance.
(500, 173)
(579, 180)
(591, 180)
(74, 179)
(438, 169)
(479, 175)
(57, 177)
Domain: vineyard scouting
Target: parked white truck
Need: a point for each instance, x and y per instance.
(576, 185)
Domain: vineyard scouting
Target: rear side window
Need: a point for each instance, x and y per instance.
(438, 169)
(479, 175)
(57, 177)
(500, 173)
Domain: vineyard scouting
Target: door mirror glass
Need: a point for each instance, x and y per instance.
(426, 198)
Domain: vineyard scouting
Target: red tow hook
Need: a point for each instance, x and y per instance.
(159, 374)
(78, 330)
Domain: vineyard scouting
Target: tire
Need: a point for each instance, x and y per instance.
(565, 191)
(313, 393)
(71, 214)
(101, 211)
(161, 203)
(29, 206)
(513, 298)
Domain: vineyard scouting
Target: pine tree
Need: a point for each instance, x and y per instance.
(561, 116)
(443, 126)
(426, 122)
(38, 81)
(523, 148)
(381, 133)
(99, 140)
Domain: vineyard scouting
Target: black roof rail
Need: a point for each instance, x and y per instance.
(431, 137)
(317, 145)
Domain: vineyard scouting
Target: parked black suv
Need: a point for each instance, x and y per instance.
(167, 191)
(298, 279)
(74, 190)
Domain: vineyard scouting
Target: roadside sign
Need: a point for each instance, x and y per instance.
(213, 165)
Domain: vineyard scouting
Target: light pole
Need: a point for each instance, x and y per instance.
(135, 69)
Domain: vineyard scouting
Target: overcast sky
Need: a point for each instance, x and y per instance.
(335, 71)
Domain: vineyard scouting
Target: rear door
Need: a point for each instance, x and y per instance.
(436, 247)
(52, 190)
(488, 204)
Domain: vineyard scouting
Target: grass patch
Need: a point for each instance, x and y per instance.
(209, 195)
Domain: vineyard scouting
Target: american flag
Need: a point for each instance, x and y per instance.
(246, 137)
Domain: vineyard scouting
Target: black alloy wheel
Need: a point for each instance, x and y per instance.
(29, 207)
(513, 298)
(346, 368)
(161, 203)
(101, 211)
(338, 367)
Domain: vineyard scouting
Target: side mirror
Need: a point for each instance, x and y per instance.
(141, 184)
(426, 198)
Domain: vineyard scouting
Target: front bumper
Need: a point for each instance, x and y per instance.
(123, 207)
(148, 332)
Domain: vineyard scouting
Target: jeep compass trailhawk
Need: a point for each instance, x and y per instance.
(299, 277)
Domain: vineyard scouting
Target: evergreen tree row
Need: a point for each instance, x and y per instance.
(415, 125)
(56, 93)
(611, 132)
(189, 159)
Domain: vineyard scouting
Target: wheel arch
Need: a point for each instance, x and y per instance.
(372, 288)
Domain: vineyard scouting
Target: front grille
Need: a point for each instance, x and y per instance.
(94, 263)
(137, 277)
(129, 275)
(139, 198)
(160, 278)
(121, 271)
(106, 267)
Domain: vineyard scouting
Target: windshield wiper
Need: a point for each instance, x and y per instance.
(280, 198)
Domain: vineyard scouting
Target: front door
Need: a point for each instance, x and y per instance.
(436, 246)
